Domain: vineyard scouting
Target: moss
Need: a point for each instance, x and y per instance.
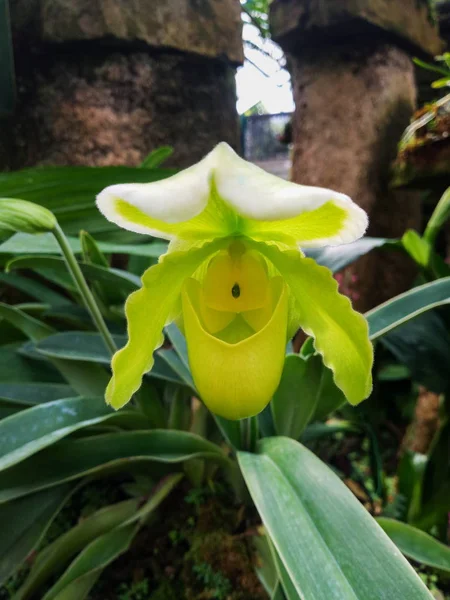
(424, 151)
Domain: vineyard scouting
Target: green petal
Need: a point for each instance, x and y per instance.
(236, 380)
(148, 310)
(341, 334)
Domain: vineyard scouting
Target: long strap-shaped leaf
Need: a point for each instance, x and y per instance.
(94, 456)
(45, 243)
(32, 430)
(417, 544)
(83, 572)
(404, 307)
(56, 555)
(331, 547)
(24, 523)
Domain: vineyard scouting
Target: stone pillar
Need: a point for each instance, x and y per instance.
(103, 82)
(354, 91)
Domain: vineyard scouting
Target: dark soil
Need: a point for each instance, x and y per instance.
(197, 548)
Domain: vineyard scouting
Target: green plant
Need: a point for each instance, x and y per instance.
(57, 434)
(219, 586)
(137, 590)
(258, 12)
(442, 68)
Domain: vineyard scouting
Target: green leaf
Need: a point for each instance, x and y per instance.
(53, 557)
(26, 217)
(411, 471)
(430, 67)
(89, 347)
(423, 345)
(15, 367)
(35, 289)
(85, 379)
(289, 591)
(336, 258)
(33, 328)
(230, 431)
(177, 366)
(404, 307)
(441, 83)
(80, 588)
(31, 430)
(340, 333)
(316, 431)
(126, 282)
(435, 510)
(95, 456)
(81, 575)
(178, 341)
(77, 346)
(30, 394)
(417, 544)
(264, 565)
(157, 157)
(45, 243)
(69, 192)
(440, 216)
(76, 317)
(278, 593)
(393, 372)
(91, 252)
(24, 523)
(313, 519)
(330, 396)
(295, 400)
(417, 247)
(7, 77)
(59, 278)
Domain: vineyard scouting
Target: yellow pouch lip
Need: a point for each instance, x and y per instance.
(236, 380)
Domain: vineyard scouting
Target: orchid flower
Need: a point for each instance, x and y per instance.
(236, 281)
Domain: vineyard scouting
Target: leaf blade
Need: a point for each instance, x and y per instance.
(314, 520)
(416, 544)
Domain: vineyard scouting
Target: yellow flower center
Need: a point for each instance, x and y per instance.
(237, 297)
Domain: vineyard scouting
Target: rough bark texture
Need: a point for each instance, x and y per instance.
(104, 82)
(78, 108)
(351, 109)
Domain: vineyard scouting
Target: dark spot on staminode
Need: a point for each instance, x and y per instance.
(236, 290)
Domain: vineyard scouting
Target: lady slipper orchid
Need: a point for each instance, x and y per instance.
(235, 279)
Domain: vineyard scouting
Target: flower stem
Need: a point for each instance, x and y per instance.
(83, 288)
(249, 433)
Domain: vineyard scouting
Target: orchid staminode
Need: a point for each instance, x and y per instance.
(236, 281)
